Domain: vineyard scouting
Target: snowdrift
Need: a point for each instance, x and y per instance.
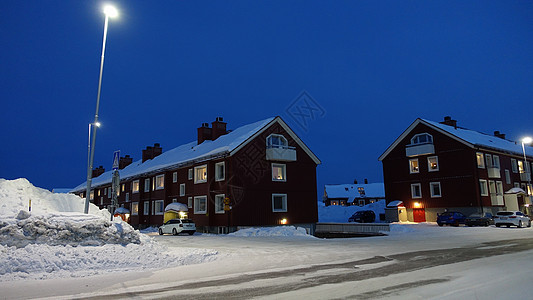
(272, 231)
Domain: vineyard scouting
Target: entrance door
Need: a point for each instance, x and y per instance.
(419, 215)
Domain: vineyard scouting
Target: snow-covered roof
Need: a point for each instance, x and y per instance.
(351, 191)
(224, 145)
(471, 138)
(176, 206)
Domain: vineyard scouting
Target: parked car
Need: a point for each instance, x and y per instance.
(363, 216)
(177, 226)
(511, 218)
(453, 218)
(477, 219)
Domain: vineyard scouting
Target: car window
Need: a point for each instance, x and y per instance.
(504, 213)
(475, 216)
(519, 213)
(186, 221)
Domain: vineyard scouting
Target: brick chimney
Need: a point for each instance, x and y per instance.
(98, 171)
(124, 162)
(218, 127)
(500, 135)
(151, 152)
(449, 121)
(204, 133)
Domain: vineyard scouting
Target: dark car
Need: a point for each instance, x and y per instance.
(453, 218)
(477, 219)
(363, 216)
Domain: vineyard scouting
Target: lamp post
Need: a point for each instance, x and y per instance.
(109, 11)
(527, 140)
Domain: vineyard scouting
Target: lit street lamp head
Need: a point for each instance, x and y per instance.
(110, 11)
(527, 140)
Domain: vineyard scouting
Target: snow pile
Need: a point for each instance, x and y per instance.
(340, 214)
(271, 231)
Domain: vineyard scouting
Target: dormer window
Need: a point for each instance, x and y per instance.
(277, 141)
(423, 138)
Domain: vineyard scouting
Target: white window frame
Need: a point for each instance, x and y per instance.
(284, 143)
(412, 168)
(429, 163)
(174, 177)
(283, 203)
(182, 189)
(433, 184)
(483, 187)
(197, 170)
(190, 202)
(101, 200)
(109, 192)
(135, 208)
(190, 174)
(158, 204)
(480, 158)
(160, 182)
(197, 203)
(507, 176)
(495, 161)
(146, 208)
(135, 186)
(284, 172)
(174, 200)
(413, 185)
(514, 165)
(488, 160)
(219, 203)
(127, 197)
(415, 138)
(147, 185)
(218, 175)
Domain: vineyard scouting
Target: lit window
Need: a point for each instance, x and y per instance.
(219, 203)
(200, 174)
(147, 185)
(91, 196)
(279, 202)
(182, 189)
(220, 171)
(200, 205)
(435, 189)
(135, 208)
(413, 166)
(122, 187)
(433, 163)
(423, 138)
(483, 187)
(278, 172)
(276, 141)
(146, 211)
(175, 177)
(135, 186)
(160, 182)
(416, 191)
(480, 160)
(159, 207)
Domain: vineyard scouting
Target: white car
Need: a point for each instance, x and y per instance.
(511, 218)
(177, 226)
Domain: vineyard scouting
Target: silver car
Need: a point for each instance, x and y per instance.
(177, 226)
(511, 218)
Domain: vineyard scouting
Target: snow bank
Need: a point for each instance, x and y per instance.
(340, 214)
(271, 231)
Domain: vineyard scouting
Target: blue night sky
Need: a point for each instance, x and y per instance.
(372, 68)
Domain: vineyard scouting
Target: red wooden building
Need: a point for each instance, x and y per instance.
(435, 166)
(263, 170)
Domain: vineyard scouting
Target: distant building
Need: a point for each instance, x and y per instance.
(353, 194)
(260, 174)
(435, 166)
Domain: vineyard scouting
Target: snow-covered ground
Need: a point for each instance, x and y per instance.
(125, 263)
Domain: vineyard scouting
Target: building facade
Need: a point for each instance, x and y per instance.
(260, 174)
(433, 167)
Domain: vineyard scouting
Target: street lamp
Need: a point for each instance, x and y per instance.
(109, 12)
(527, 140)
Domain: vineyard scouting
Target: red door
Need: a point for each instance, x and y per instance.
(419, 215)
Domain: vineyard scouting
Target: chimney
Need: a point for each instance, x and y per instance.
(124, 162)
(366, 181)
(500, 135)
(204, 133)
(218, 127)
(355, 181)
(98, 171)
(449, 121)
(151, 152)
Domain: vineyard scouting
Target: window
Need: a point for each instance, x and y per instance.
(122, 187)
(483, 187)
(433, 163)
(219, 203)
(488, 160)
(499, 188)
(182, 189)
(279, 202)
(200, 174)
(98, 192)
(190, 174)
(434, 187)
(158, 208)
(278, 172)
(135, 208)
(109, 192)
(361, 202)
(514, 166)
(220, 171)
(200, 205)
(416, 191)
(146, 211)
(175, 177)
(160, 182)
(135, 187)
(91, 195)
(507, 177)
(101, 200)
(480, 160)
(516, 184)
(147, 185)
(521, 167)
(127, 197)
(423, 138)
(492, 187)
(496, 161)
(413, 166)
(174, 200)
(189, 202)
(277, 141)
